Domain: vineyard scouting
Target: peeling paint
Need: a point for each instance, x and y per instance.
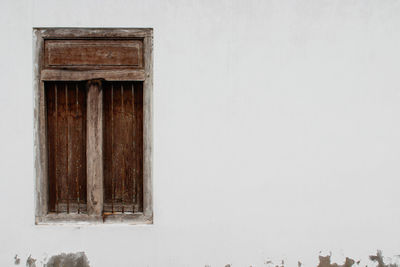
(30, 262)
(78, 259)
(378, 258)
(17, 260)
(325, 261)
(269, 263)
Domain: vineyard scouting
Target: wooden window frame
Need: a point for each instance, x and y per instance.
(94, 173)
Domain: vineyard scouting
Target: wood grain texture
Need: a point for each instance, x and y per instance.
(66, 144)
(40, 143)
(94, 149)
(123, 147)
(93, 54)
(148, 127)
(85, 33)
(84, 75)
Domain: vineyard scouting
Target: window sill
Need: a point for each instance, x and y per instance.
(83, 219)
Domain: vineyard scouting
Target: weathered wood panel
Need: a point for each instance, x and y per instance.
(123, 147)
(94, 148)
(74, 33)
(138, 141)
(43, 75)
(93, 53)
(109, 75)
(66, 143)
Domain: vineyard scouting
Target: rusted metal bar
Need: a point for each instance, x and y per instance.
(123, 152)
(77, 158)
(55, 144)
(67, 139)
(112, 148)
(133, 151)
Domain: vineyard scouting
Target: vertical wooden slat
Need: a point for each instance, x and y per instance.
(42, 198)
(94, 148)
(147, 134)
(139, 145)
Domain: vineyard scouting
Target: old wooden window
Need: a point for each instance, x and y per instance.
(93, 131)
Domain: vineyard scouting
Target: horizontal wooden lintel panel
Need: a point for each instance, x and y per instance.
(93, 54)
(109, 75)
(94, 32)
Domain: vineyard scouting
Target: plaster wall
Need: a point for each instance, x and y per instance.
(276, 133)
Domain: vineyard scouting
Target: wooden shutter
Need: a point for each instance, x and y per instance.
(123, 147)
(66, 141)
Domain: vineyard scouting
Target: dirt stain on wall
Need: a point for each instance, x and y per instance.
(78, 259)
(378, 258)
(30, 262)
(325, 261)
(17, 260)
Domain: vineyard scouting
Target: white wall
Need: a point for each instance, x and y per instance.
(276, 132)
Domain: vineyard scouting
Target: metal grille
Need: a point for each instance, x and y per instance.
(66, 141)
(123, 147)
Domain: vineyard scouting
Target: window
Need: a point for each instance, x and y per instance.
(93, 125)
